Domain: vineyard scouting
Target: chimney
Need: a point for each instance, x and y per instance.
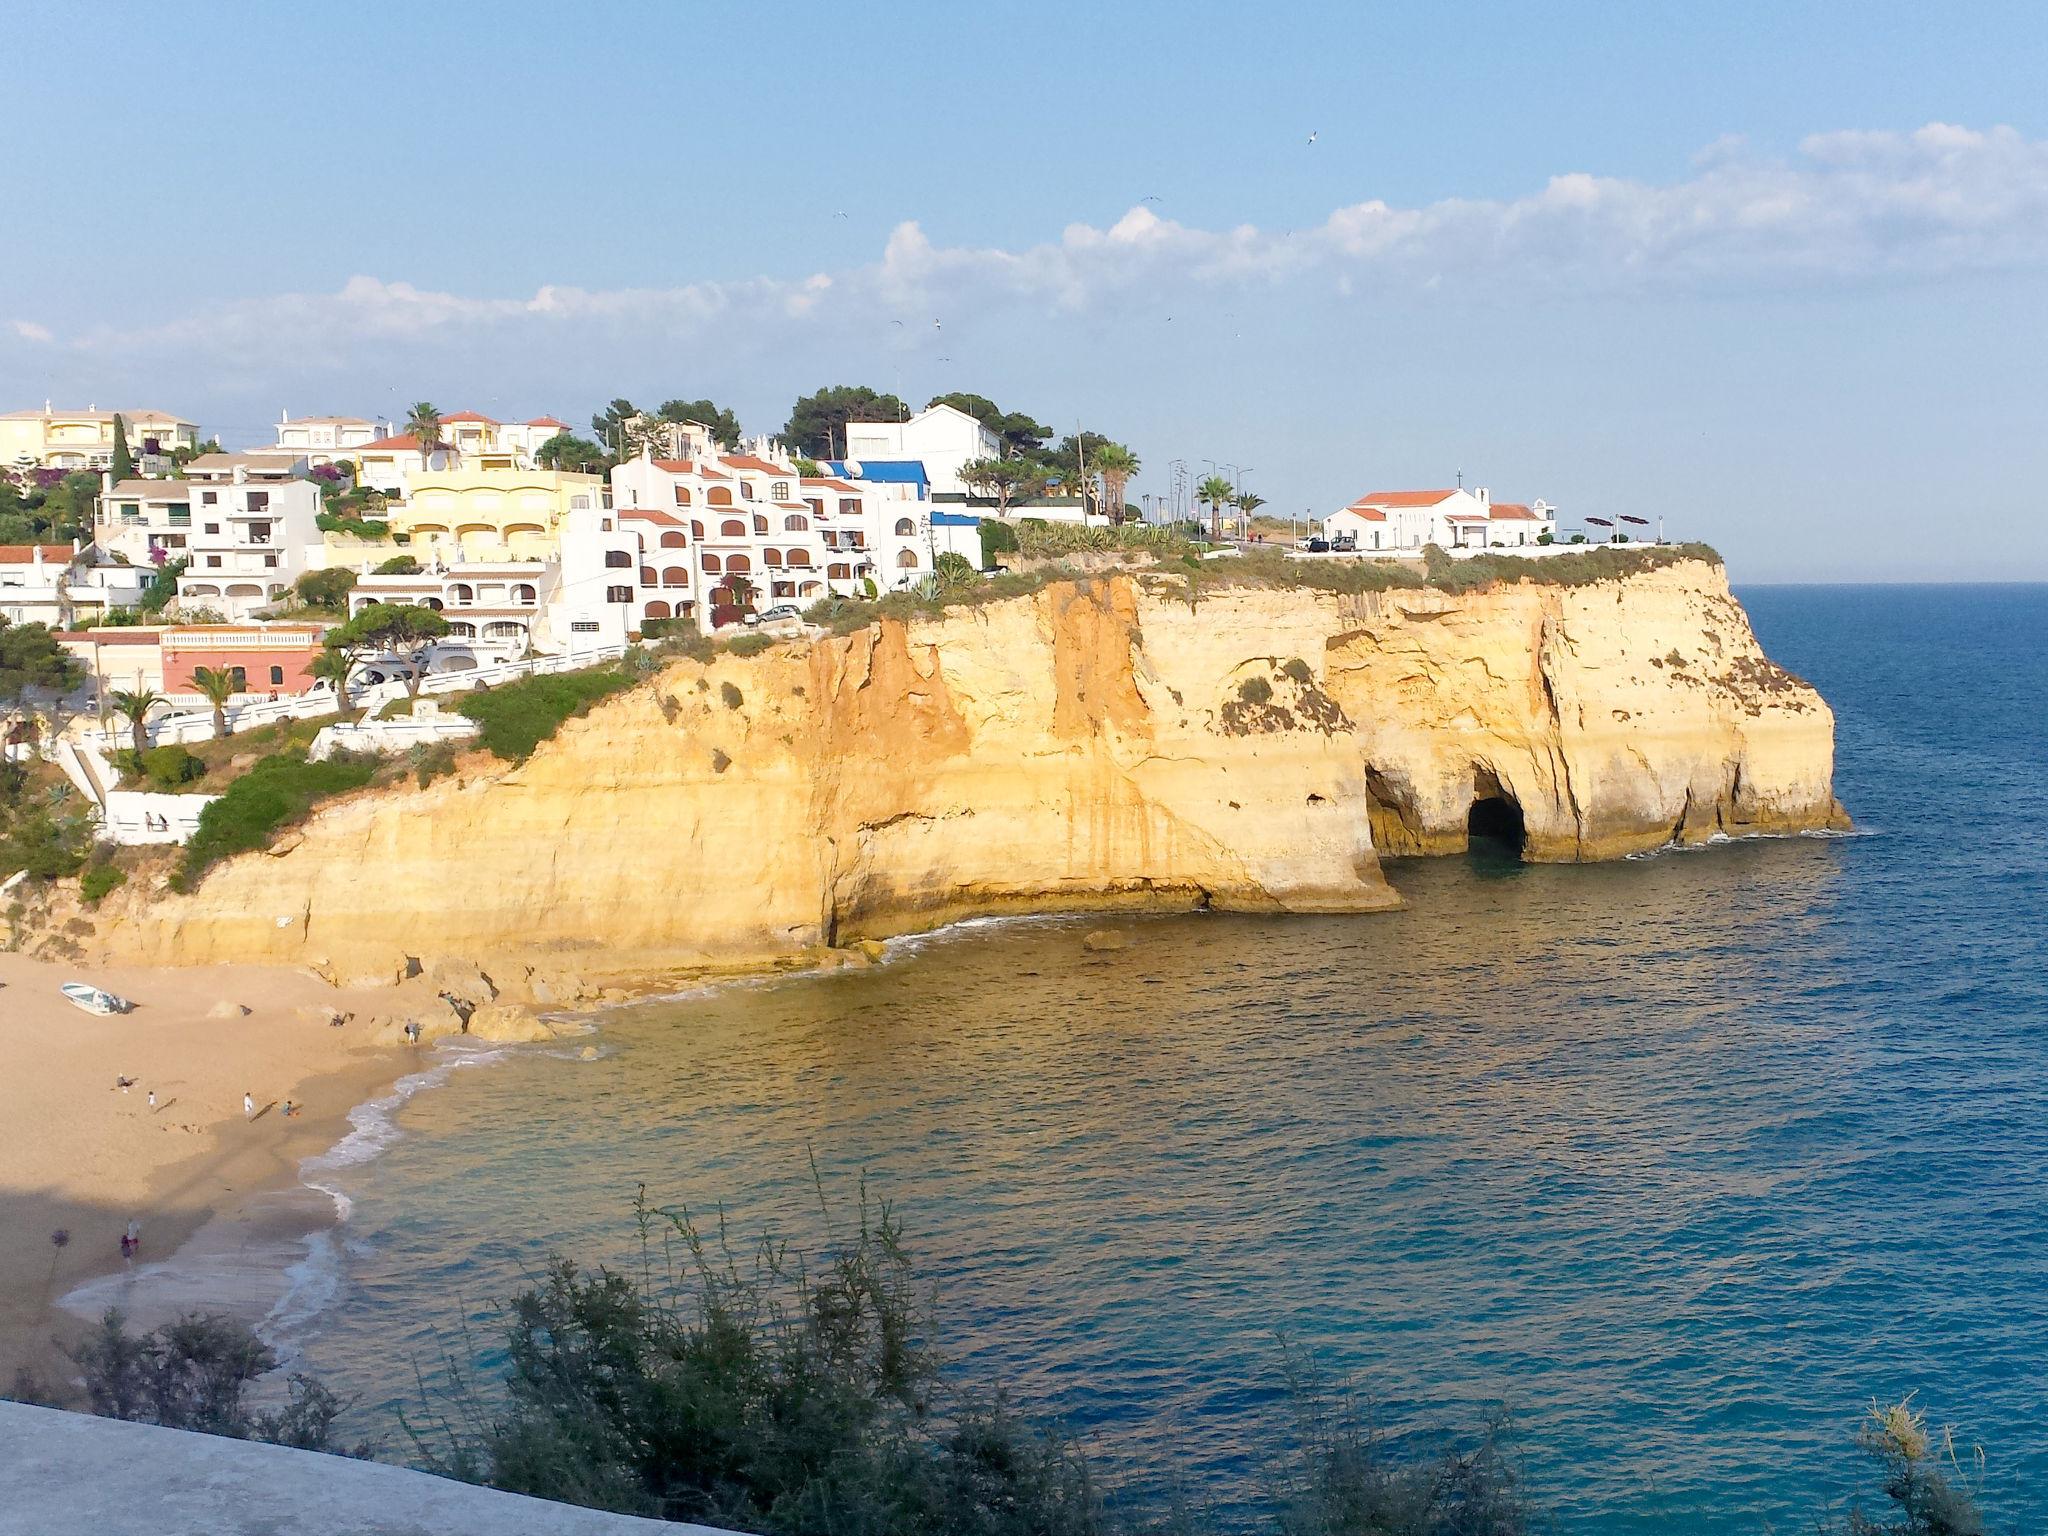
(106, 480)
(241, 474)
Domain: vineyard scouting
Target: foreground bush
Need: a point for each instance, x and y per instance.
(514, 718)
(196, 1374)
(274, 794)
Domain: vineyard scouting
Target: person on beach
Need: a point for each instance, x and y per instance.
(152, 1101)
(248, 1104)
(291, 1110)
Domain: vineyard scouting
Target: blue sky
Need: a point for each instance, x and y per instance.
(1773, 272)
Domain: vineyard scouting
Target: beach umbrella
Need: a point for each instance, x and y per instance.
(1640, 522)
(1599, 522)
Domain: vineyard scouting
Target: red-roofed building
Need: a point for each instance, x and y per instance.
(1450, 519)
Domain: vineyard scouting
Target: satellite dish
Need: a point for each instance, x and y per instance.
(852, 467)
(1599, 522)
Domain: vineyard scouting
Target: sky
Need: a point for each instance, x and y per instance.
(1773, 274)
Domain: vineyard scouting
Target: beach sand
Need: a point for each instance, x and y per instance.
(81, 1156)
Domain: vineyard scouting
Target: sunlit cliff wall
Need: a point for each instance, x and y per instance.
(1100, 744)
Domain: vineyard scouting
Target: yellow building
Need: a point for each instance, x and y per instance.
(493, 514)
(52, 439)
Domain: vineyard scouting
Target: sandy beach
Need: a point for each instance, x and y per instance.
(83, 1156)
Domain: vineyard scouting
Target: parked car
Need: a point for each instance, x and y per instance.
(780, 611)
(1318, 546)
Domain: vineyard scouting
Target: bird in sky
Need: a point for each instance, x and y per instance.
(1312, 134)
(1149, 197)
(895, 322)
(936, 326)
(839, 215)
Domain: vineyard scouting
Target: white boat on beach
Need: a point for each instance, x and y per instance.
(93, 999)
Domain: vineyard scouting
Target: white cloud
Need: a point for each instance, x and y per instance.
(1849, 206)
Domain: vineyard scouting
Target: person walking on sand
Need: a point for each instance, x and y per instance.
(152, 1101)
(248, 1104)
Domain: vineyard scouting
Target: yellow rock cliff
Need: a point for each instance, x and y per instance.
(1099, 744)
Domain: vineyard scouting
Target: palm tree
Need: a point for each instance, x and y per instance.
(1116, 464)
(1248, 503)
(218, 684)
(1218, 493)
(134, 706)
(334, 666)
(424, 423)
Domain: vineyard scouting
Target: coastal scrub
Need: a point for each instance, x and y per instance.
(275, 793)
(514, 718)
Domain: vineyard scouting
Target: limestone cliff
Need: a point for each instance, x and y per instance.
(1097, 744)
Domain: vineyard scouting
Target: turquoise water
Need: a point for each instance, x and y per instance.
(1683, 1159)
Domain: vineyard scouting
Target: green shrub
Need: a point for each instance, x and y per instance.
(169, 766)
(325, 589)
(163, 586)
(400, 565)
(48, 847)
(1299, 670)
(99, 881)
(750, 645)
(430, 762)
(1255, 690)
(731, 695)
(516, 717)
(997, 538)
(276, 793)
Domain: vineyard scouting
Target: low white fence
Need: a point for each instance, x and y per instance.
(185, 726)
(133, 817)
(1471, 551)
(385, 738)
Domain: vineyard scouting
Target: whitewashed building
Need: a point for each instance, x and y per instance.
(248, 541)
(60, 585)
(941, 437)
(320, 440)
(1451, 519)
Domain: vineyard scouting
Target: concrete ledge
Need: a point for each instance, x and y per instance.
(65, 1473)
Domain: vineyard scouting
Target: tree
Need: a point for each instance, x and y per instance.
(123, 466)
(424, 423)
(1020, 434)
(1116, 464)
(1003, 479)
(1072, 463)
(218, 685)
(326, 589)
(402, 629)
(1218, 493)
(725, 427)
(163, 586)
(817, 422)
(135, 706)
(334, 665)
(399, 565)
(1249, 502)
(578, 455)
(612, 427)
(30, 657)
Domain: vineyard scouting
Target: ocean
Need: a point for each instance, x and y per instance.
(1681, 1161)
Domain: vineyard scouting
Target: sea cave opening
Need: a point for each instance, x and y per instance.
(1493, 824)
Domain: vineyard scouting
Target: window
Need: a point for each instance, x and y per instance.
(839, 572)
(130, 511)
(696, 529)
(276, 676)
(682, 495)
(849, 506)
(746, 490)
(270, 562)
(905, 528)
(799, 557)
(657, 610)
(732, 528)
(674, 541)
(779, 491)
(711, 564)
(618, 594)
(771, 557)
(816, 504)
(259, 501)
(906, 559)
(579, 503)
(213, 527)
(209, 498)
(760, 525)
(795, 522)
(647, 576)
(241, 677)
(718, 496)
(213, 562)
(617, 560)
(583, 626)
(738, 563)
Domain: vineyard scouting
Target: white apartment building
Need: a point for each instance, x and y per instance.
(1453, 519)
(60, 585)
(502, 610)
(248, 541)
(722, 536)
(247, 466)
(321, 439)
(148, 522)
(941, 437)
(469, 440)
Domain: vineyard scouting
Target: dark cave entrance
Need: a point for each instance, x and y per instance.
(1493, 824)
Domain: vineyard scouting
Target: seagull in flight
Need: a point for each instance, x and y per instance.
(936, 326)
(1312, 134)
(839, 215)
(895, 322)
(1150, 197)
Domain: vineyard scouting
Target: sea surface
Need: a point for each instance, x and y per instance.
(1681, 1160)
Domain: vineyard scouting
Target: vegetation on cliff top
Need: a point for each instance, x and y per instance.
(276, 793)
(802, 1395)
(514, 718)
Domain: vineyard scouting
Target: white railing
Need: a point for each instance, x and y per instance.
(133, 817)
(1470, 551)
(383, 738)
(197, 725)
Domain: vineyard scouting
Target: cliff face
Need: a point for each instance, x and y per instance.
(1095, 745)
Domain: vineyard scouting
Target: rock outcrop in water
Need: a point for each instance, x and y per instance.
(1100, 744)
